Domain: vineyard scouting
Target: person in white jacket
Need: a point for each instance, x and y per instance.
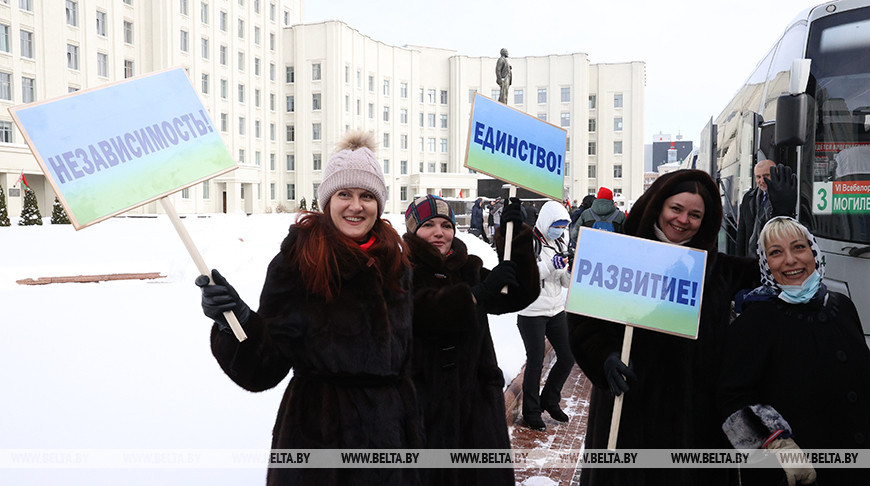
(546, 317)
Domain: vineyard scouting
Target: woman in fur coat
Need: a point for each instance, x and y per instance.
(669, 396)
(459, 383)
(797, 369)
(336, 307)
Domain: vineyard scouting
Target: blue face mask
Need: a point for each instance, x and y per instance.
(801, 294)
(554, 233)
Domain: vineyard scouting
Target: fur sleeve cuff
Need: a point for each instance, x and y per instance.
(755, 426)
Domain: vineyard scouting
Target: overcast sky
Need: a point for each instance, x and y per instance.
(697, 53)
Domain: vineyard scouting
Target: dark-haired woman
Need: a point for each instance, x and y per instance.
(459, 383)
(336, 308)
(669, 403)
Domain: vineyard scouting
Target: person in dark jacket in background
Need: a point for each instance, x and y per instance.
(796, 370)
(604, 209)
(336, 308)
(476, 222)
(458, 381)
(669, 393)
(574, 227)
(531, 213)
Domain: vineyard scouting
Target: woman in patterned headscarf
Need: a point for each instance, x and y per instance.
(796, 366)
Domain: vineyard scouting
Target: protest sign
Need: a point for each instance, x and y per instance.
(516, 147)
(639, 282)
(110, 149)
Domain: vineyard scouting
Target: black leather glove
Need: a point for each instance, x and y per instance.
(512, 212)
(616, 373)
(505, 273)
(219, 298)
(782, 190)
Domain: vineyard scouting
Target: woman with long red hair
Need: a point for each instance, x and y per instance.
(336, 307)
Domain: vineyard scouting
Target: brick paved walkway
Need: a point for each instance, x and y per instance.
(558, 436)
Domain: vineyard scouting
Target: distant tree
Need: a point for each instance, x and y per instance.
(30, 212)
(302, 206)
(4, 213)
(58, 214)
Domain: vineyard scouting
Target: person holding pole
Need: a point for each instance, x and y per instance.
(460, 387)
(669, 394)
(336, 308)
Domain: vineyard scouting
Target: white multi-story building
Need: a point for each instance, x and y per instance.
(283, 93)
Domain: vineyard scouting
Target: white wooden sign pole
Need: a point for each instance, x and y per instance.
(509, 232)
(617, 402)
(200, 263)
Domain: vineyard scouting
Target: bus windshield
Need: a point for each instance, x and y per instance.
(838, 169)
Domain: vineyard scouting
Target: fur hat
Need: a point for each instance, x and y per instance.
(605, 193)
(354, 165)
(425, 208)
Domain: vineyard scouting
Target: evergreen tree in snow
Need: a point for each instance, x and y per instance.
(58, 214)
(4, 213)
(30, 213)
(302, 205)
(314, 206)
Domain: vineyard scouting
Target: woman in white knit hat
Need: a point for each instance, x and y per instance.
(336, 308)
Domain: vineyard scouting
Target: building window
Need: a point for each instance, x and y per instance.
(206, 189)
(72, 13)
(617, 192)
(617, 147)
(256, 35)
(403, 193)
(183, 7)
(242, 161)
(494, 94)
(386, 166)
(291, 162)
(72, 56)
(542, 116)
(241, 125)
(617, 124)
(101, 23)
(204, 45)
(291, 103)
(205, 83)
(272, 191)
(26, 5)
(5, 86)
(386, 87)
(617, 100)
(224, 122)
(471, 95)
(371, 110)
(5, 132)
(241, 93)
(129, 68)
(542, 95)
(432, 96)
(592, 124)
(316, 160)
(28, 89)
(591, 150)
(592, 101)
(241, 29)
(565, 119)
(272, 161)
(443, 96)
(431, 144)
(443, 121)
(431, 166)
(272, 101)
(443, 145)
(241, 61)
(291, 192)
(222, 55)
(271, 41)
(289, 74)
(315, 101)
(315, 71)
(566, 94)
(203, 12)
(272, 71)
(224, 88)
(403, 167)
(591, 172)
(26, 44)
(386, 113)
(518, 96)
(128, 32)
(371, 83)
(183, 45)
(272, 132)
(291, 133)
(257, 66)
(617, 172)
(257, 128)
(185, 193)
(403, 116)
(223, 21)
(403, 90)
(431, 118)
(386, 140)
(403, 141)
(315, 131)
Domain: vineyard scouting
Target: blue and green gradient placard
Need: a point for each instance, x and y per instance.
(107, 150)
(516, 147)
(639, 282)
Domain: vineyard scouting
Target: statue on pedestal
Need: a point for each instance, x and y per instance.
(503, 76)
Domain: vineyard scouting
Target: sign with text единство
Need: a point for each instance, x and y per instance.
(516, 147)
(638, 282)
(110, 149)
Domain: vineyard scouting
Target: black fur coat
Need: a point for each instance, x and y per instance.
(459, 383)
(671, 405)
(350, 358)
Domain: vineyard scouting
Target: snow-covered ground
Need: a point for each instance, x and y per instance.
(126, 365)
